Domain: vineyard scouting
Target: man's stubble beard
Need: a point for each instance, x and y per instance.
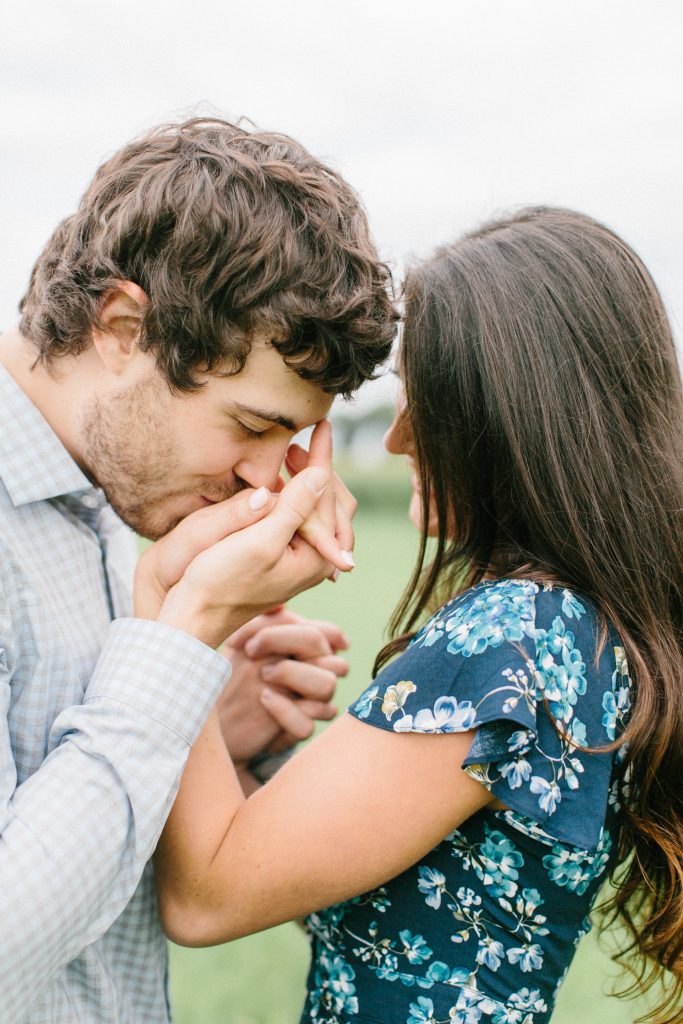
(129, 455)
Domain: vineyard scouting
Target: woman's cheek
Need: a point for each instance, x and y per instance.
(415, 515)
(433, 524)
(415, 511)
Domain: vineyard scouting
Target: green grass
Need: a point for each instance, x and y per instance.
(260, 979)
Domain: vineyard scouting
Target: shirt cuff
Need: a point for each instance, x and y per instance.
(264, 766)
(161, 672)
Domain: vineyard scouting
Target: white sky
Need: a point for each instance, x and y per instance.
(440, 114)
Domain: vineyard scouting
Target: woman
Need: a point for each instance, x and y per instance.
(458, 822)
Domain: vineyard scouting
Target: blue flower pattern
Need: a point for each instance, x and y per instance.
(483, 929)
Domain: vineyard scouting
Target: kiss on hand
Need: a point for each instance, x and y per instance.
(261, 548)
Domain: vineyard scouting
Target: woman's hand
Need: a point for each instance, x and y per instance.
(260, 566)
(162, 565)
(338, 508)
(328, 529)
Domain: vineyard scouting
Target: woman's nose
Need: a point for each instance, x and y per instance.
(398, 438)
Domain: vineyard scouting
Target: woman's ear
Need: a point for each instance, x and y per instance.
(117, 336)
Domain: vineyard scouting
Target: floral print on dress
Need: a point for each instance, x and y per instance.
(540, 664)
(484, 927)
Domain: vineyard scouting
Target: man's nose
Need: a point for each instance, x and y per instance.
(261, 466)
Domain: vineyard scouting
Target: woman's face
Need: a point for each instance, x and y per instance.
(399, 441)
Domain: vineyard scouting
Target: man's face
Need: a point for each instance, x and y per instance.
(159, 456)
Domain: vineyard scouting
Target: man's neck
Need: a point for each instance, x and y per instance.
(56, 393)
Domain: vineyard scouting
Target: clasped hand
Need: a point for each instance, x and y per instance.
(284, 675)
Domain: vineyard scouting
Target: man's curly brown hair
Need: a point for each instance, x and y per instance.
(228, 232)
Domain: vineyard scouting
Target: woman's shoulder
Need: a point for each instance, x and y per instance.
(505, 611)
(540, 675)
(506, 634)
(534, 642)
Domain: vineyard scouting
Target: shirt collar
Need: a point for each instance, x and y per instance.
(34, 464)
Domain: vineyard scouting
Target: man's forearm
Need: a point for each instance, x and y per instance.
(75, 837)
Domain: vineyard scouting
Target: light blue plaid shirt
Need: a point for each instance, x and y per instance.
(97, 720)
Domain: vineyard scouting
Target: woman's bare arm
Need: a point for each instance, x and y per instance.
(355, 808)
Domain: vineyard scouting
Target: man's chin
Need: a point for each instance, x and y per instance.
(157, 518)
(151, 524)
(153, 532)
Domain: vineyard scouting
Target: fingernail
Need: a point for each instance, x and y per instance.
(316, 480)
(259, 498)
(250, 648)
(266, 694)
(267, 672)
(335, 575)
(348, 557)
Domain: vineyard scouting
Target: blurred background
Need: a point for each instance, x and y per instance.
(441, 115)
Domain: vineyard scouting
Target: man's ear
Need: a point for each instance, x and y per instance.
(117, 336)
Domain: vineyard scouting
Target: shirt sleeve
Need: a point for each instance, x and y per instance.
(523, 671)
(76, 835)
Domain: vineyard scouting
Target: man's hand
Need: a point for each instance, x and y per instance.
(162, 565)
(251, 571)
(285, 671)
(327, 530)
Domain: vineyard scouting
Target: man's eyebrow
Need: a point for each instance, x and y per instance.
(263, 414)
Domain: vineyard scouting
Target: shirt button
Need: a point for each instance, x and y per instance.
(89, 501)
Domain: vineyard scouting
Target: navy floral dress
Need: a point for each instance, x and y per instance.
(483, 929)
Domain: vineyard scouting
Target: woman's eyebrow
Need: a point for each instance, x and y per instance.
(267, 416)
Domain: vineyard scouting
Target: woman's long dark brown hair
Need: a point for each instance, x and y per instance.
(544, 400)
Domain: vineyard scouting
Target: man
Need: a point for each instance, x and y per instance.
(211, 294)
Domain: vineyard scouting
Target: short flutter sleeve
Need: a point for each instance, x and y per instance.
(524, 668)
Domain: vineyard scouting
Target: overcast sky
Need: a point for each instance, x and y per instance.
(440, 114)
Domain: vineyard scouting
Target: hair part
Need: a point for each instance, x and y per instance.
(544, 400)
(227, 232)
